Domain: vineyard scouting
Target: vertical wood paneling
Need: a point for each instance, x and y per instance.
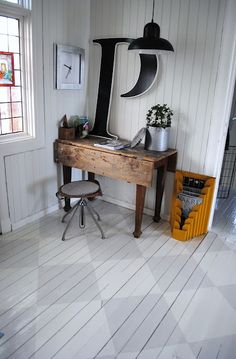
(182, 78)
(202, 96)
(31, 175)
(212, 64)
(171, 63)
(186, 79)
(193, 71)
(13, 200)
(28, 194)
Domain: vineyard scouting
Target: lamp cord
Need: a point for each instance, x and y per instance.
(153, 4)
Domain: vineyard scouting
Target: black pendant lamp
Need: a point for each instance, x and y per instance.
(151, 42)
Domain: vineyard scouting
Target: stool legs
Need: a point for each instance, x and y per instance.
(96, 222)
(92, 209)
(82, 217)
(70, 210)
(81, 204)
(67, 226)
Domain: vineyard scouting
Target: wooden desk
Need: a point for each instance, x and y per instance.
(132, 165)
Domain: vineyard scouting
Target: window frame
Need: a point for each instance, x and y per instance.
(27, 79)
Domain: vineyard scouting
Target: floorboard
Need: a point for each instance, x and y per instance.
(121, 297)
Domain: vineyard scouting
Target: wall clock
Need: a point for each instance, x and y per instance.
(69, 67)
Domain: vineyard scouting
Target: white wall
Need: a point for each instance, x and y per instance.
(186, 80)
(194, 81)
(30, 173)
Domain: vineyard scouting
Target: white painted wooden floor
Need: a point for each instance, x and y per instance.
(124, 298)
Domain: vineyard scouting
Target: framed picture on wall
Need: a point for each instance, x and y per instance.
(7, 69)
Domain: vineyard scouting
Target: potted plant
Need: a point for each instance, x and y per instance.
(158, 126)
(81, 125)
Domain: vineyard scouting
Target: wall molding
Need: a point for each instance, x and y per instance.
(34, 217)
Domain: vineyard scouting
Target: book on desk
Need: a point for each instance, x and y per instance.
(113, 144)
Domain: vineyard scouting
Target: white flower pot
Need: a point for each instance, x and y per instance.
(157, 138)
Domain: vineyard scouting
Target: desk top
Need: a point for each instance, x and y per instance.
(137, 152)
(132, 165)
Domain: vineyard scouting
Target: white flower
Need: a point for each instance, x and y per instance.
(159, 116)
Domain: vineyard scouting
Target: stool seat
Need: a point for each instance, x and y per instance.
(82, 190)
(79, 189)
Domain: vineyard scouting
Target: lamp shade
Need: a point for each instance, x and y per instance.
(151, 42)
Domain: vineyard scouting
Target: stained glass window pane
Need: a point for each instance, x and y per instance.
(16, 61)
(4, 94)
(6, 126)
(16, 94)
(3, 25)
(14, 45)
(17, 78)
(13, 26)
(17, 125)
(16, 109)
(5, 110)
(11, 120)
(4, 42)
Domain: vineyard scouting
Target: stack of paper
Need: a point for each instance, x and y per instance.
(112, 144)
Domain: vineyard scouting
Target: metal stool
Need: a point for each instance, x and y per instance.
(82, 190)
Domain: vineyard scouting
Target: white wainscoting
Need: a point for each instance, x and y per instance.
(30, 174)
(186, 79)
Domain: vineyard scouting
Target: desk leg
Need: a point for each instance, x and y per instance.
(161, 177)
(91, 176)
(67, 179)
(140, 198)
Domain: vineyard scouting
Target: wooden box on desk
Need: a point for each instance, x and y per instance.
(66, 133)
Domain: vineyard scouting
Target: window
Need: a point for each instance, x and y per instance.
(14, 100)
(11, 111)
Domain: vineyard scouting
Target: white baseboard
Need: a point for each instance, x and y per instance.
(147, 211)
(54, 208)
(5, 226)
(34, 217)
(125, 204)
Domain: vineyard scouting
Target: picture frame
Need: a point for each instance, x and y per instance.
(68, 67)
(7, 77)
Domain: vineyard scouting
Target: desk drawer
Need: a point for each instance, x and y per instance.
(110, 164)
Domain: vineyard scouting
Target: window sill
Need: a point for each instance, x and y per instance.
(13, 138)
(12, 144)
